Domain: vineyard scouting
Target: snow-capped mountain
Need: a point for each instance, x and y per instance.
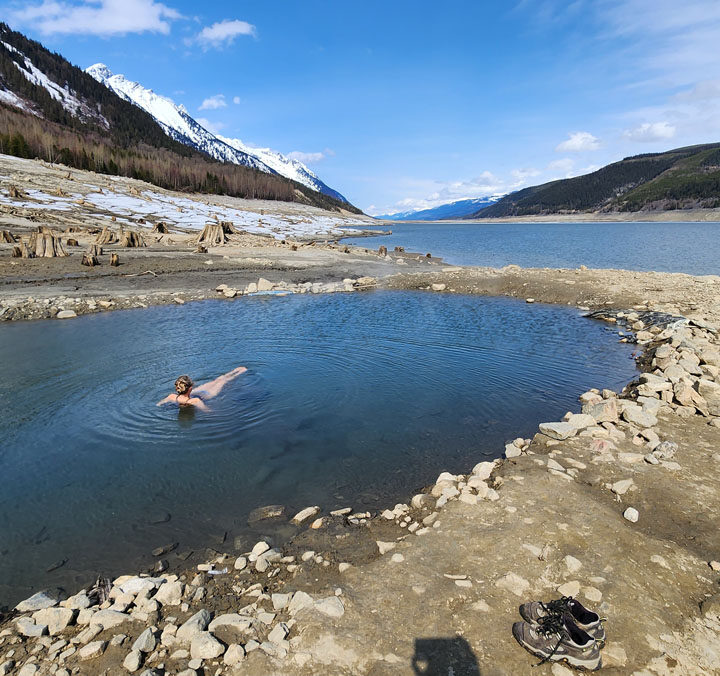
(453, 210)
(179, 125)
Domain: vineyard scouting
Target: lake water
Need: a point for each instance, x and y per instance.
(693, 248)
(350, 400)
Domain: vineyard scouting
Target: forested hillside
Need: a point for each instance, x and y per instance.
(676, 179)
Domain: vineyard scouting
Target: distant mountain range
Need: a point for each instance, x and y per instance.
(54, 111)
(445, 212)
(683, 178)
(179, 125)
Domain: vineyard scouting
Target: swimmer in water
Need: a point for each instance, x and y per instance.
(185, 396)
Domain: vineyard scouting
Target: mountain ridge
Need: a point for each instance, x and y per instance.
(449, 211)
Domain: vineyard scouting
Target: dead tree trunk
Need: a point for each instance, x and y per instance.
(46, 244)
(21, 251)
(114, 260)
(90, 260)
(229, 228)
(8, 237)
(161, 228)
(213, 234)
(95, 250)
(72, 242)
(107, 236)
(130, 238)
(15, 192)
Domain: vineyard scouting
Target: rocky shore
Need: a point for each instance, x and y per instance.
(614, 504)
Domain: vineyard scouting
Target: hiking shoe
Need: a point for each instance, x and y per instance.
(585, 619)
(557, 638)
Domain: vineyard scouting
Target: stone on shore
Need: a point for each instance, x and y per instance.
(305, 514)
(66, 314)
(571, 588)
(558, 430)
(204, 646)
(631, 514)
(234, 655)
(636, 416)
(483, 470)
(108, 619)
(146, 642)
(194, 625)
(385, 547)
(43, 599)
(331, 606)
(26, 626)
(56, 619)
(133, 661)
(92, 650)
(513, 583)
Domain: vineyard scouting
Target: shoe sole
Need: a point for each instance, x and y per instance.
(575, 662)
(600, 640)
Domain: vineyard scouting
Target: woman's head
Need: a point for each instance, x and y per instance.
(183, 385)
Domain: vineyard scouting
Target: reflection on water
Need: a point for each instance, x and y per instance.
(350, 399)
(693, 248)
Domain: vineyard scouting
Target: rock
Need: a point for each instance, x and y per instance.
(194, 625)
(29, 669)
(651, 459)
(146, 642)
(133, 661)
(571, 588)
(266, 512)
(581, 421)
(422, 501)
(170, 594)
(711, 606)
(305, 514)
(631, 514)
(108, 619)
(665, 449)
(26, 626)
(56, 619)
(714, 565)
(622, 487)
(710, 392)
(342, 567)
(636, 416)
(614, 655)
(279, 633)
(43, 599)
(592, 594)
(240, 563)
(234, 620)
(6, 667)
(558, 430)
(272, 649)
(204, 646)
(260, 548)
(234, 655)
(385, 547)
(66, 314)
(299, 601)
(572, 564)
(331, 606)
(264, 284)
(553, 464)
(92, 650)
(229, 292)
(483, 470)
(251, 288)
(397, 558)
(561, 670)
(529, 300)
(512, 451)
(513, 583)
(438, 287)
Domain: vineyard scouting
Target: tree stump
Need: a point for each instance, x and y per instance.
(95, 250)
(46, 244)
(90, 260)
(21, 251)
(229, 228)
(107, 236)
(59, 192)
(399, 249)
(114, 260)
(8, 237)
(382, 251)
(131, 239)
(72, 242)
(201, 249)
(213, 234)
(15, 192)
(161, 228)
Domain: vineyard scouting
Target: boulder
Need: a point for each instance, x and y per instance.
(204, 646)
(305, 514)
(43, 599)
(604, 410)
(56, 619)
(636, 416)
(558, 430)
(710, 392)
(170, 594)
(108, 619)
(194, 625)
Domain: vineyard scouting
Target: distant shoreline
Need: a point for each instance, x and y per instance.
(676, 216)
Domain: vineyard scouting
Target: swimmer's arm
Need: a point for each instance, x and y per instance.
(199, 404)
(167, 400)
(214, 387)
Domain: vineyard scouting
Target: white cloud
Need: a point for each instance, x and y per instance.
(577, 142)
(223, 33)
(236, 100)
(214, 102)
(311, 158)
(97, 17)
(214, 127)
(649, 132)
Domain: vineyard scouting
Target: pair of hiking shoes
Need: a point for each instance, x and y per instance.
(561, 630)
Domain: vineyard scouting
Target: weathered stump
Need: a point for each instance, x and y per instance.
(90, 260)
(21, 251)
(201, 249)
(72, 242)
(95, 250)
(213, 234)
(107, 236)
(15, 192)
(382, 250)
(131, 239)
(229, 228)
(59, 192)
(46, 244)
(8, 237)
(399, 249)
(114, 260)
(161, 228)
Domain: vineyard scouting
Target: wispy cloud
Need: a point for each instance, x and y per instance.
(237, 100)
(579, 141)
(651, 131)
(223, 33)
(96, 17)
(214, 102)
(310, 158)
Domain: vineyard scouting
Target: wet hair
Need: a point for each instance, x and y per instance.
(183, 384)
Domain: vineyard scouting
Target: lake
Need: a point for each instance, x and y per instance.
(693, 248)
(350, 400)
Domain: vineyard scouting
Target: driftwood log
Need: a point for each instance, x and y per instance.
(130, 238)
(46, 244)
(90, 260)
(114, 260)
(161, 228)
(107, 236)
(8, 237)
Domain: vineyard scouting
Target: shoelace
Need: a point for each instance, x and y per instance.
(558, 606)
(551, 624)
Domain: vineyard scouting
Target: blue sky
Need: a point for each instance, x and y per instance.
(405, 103)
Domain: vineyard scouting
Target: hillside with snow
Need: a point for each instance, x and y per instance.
(179, 125)
(444, 212)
